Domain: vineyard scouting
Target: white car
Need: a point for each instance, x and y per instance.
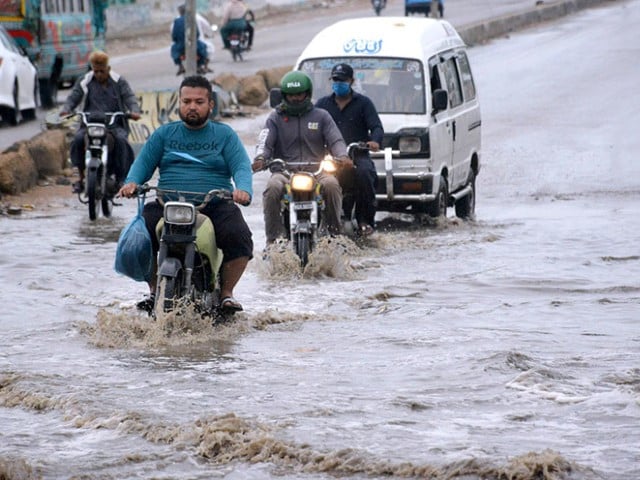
(18, 82)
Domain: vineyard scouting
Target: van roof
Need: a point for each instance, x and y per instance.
(412, 37)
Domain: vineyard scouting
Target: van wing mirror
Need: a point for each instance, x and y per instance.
(275, 97)
(440, 100)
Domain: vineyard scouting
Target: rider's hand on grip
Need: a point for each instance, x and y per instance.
(241, 197)
(258, 164)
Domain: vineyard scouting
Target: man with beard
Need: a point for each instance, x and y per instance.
(197, 155)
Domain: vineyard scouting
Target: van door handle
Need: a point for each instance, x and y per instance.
(453, 130)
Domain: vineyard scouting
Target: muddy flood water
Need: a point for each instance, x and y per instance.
(503, 348)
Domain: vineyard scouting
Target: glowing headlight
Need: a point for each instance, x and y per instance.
(179, 213)
(409, 144)
(301, 182)
(96, 131)
(328, 165)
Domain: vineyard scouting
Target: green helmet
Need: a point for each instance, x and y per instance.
(296, 82)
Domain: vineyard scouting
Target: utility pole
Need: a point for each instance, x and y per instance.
(190, 38)
(435, 13)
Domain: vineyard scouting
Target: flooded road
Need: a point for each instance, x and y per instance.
(507, 347)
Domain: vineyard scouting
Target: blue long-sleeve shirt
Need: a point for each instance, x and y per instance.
(194, 160)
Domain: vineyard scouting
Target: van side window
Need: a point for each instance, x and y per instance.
(468, 87)
(453, 82)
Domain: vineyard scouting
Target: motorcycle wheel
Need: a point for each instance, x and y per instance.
(92, 189)
(302, 245)
(166, 294)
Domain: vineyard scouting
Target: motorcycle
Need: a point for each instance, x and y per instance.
(239, 39)
(188, 261)
(100, 187)
(378, 5)
(302, 206)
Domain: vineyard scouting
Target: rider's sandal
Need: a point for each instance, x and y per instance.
(147, 304)
(230, 305)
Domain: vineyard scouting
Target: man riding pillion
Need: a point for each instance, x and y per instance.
(103, 90)
(358, 121)
(234, 18)
(301, 135)
(178, 45)
(197, 155)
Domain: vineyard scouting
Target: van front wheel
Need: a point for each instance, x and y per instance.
(438, 208)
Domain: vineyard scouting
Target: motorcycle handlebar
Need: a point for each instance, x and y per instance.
(108, 118)
(182, 194)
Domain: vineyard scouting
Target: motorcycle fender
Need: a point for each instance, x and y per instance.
(170, 267)
(93, 163)
(302, 227)
(206, 243)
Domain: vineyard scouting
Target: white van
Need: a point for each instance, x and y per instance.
(416, 72)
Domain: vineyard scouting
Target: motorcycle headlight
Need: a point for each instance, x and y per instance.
(328, 165)
(179, 213)
(301, 182)
(96, 131)
(409, 144)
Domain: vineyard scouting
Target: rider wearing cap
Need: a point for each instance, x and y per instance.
(358, 121)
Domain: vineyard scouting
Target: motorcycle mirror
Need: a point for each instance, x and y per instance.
(275, 97)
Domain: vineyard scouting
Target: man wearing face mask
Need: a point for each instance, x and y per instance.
(358, 121)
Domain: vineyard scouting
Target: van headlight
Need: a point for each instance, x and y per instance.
(301, 182)
(409, 144)
(179, 213)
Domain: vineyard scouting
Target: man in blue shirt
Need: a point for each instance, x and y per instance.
(358, 121)
(199, 155)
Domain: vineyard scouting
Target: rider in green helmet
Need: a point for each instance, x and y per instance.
(296, 88)
(300, 135)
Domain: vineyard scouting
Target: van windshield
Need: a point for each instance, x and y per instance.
(394, 85)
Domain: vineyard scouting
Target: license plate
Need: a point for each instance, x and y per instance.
(303, 206)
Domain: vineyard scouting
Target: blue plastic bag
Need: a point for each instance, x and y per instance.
(134, 254)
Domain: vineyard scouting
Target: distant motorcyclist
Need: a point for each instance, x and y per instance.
(236, 17)
(178, 45)
(358, 121)
(301, 135)
(103, 90)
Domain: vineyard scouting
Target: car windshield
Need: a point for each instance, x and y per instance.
(394, 85)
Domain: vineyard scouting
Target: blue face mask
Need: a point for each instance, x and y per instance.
(341, 89)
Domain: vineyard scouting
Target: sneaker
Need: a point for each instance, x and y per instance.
(181, 70)
(77, 187)
(147, 304)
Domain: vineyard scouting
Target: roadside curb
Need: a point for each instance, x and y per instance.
(485, 30)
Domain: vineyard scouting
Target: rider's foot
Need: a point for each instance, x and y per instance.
(112, 186)
(181, 70)
(147, 304)
(365, 229)
(77, 187)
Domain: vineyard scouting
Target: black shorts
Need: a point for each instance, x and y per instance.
(232, 232)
